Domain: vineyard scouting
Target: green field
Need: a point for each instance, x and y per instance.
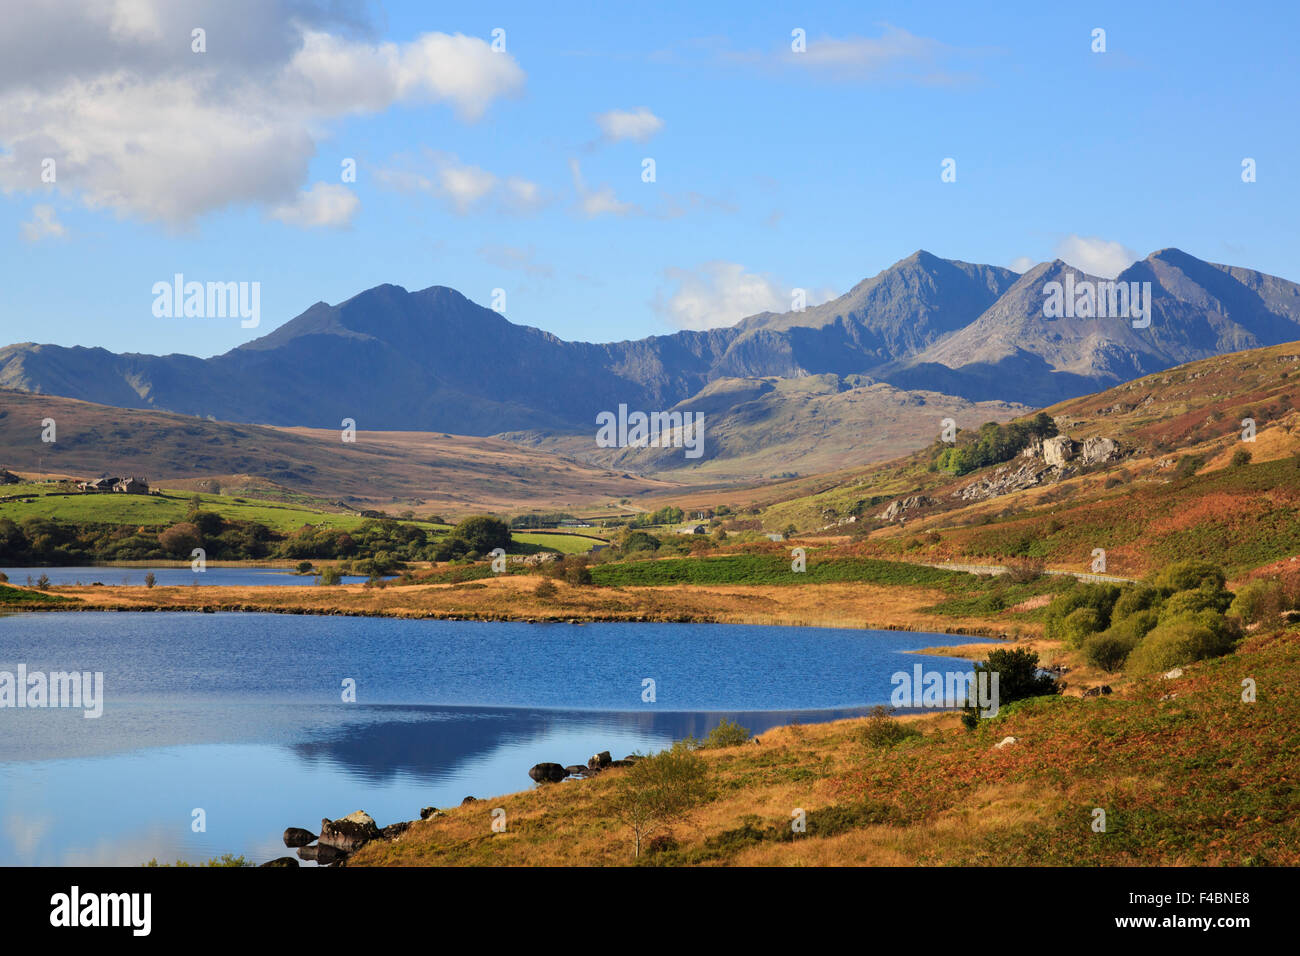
(563, 543)
(776, 569)
(167, 509)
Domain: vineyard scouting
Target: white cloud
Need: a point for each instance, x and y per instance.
(463, 186)
(639, 124)
(894, 55)
(1098, 257)
(44, 225)
(719, 294)
(601, 201)
(1021, 264)
(141, 125)
(326, 205)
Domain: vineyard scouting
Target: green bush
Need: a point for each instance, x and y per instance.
(1111, 648)
(1134, 598)
(1187, 576)
(1258, 600)
(1100, 598)
(882, 731)
(329, 575)
(1182, 640)
(1079, 624)
(728, 733)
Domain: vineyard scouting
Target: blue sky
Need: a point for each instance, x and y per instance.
(774, 169)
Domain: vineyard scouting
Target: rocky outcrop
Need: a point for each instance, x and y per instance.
(897, 509)
(1096, 451)
(281, 861)
(1058, 451)
(428, 812)
(1003, 481)
(600, 761)
(322, 855)
(349, 833)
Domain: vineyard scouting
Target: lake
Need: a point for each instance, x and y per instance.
(243, 716)
(170, 577)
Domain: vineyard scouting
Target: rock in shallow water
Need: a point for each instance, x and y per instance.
(548, 773)
(349, 833)
(297, 836)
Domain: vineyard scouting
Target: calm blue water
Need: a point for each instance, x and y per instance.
(169, 577)
(242, 715)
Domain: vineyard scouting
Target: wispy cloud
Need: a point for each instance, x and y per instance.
(601, 201)
(44, 224)
(463, 186)
(638, 125)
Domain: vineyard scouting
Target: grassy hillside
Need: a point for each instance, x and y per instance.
(430, 473)
(1191, 775)
(1176, 491)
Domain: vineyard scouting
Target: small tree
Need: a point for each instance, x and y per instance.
(150, 580)
(1018, 678)
(659, 790)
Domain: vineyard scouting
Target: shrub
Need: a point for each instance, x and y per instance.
(545, 589)
(1132, 599)
(1181, 641)
(1109, 649)
(42, 582)
(728, 733)
(329, 575)
(1187, 575)
(1240, 458)
(882, 731)
(1204, 598)
(1100, 598)
(1258, 600)
(575, 571)
(150, 580)
(1079, 624)
(304, 567)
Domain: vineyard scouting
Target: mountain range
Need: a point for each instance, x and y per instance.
(433, 360)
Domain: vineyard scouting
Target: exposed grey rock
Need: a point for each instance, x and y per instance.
(902, 506)
(281, 861)
(427, 812)
(297, 836)
(548, 773)
(348, 833)
(1099, 450)
(1058, 450)
(600, 760)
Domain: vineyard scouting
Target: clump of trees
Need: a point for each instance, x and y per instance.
(473, 538)
(992, 444)
(1180, 614)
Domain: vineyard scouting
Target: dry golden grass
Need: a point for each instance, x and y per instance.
(513, 598)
